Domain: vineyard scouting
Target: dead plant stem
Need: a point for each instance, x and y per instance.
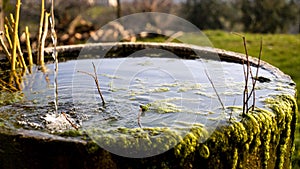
(72, 124)
(43, 39)
(28, 46)
(8, 55)
(95, 77)
(212, 84)
(254, 79)
(15, 43)
(248, 72)
(41, 29)
(7, 36)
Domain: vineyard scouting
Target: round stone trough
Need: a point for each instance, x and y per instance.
(168, 105)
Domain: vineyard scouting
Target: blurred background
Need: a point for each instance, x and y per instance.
(276, 21)
(77, 19)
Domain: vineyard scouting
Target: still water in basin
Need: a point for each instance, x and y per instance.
(176, 92)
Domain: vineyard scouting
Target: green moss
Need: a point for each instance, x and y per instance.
(10, 97)
(160, 89)
(191, 142)
(92, 147)
(72, 133)
(204, 151)
(188, 87)
(133, 139)
(145, 107)
(110, 76)
(161, 106)
(258, 134)
(262, 138)
(286, 108)
(235, 158)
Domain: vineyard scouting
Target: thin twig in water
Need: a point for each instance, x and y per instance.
(246, 93)
(256, 76)
(96, 81)
(248, 71)
(212, 84)
(72, 124)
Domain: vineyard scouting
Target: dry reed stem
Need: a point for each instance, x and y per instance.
(245, 95)
(15, 78)
(7, 36)
(9, 87)
(12, 24)
(254, 80)
(7, 53)
(212, 84)
(27, 34)
(20, 59)
(9, 32)
(40, 30)
(96, 81)
(43, 39)
(15, 43)
(20, 55)
(12, 20)
(9, 26)
(248, 72)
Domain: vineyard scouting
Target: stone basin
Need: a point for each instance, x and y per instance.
(185, 126)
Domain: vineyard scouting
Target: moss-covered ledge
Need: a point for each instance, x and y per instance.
(262, 139)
